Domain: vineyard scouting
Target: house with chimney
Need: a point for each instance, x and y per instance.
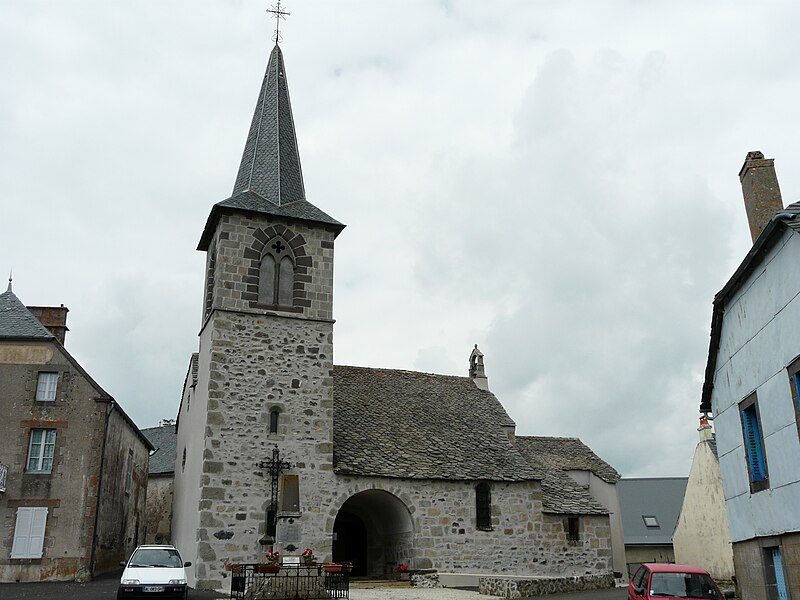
(752, 388)
(72, 503)
(278, 448)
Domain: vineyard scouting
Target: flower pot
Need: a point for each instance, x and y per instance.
(332, 568)
(267, 568)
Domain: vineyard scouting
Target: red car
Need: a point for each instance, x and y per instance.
(662, 580)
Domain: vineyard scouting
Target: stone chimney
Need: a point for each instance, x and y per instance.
(762, 196)
(54, 318)
(706, 433)
(476, 371)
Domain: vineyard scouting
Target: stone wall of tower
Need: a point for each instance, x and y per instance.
(238, 242)
(254, 361)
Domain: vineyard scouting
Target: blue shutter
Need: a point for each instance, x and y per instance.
(755, 447)
(780, 582)
(796, 385)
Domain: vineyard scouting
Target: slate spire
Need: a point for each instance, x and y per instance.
(270, 164)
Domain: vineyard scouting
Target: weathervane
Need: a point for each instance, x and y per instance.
(279, 14)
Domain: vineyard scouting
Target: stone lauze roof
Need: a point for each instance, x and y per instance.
(17, 322)
(568, 454)
(405, 424)
(165, 441)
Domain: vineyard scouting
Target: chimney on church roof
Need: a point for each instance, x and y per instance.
(762, 195)
(476, 370)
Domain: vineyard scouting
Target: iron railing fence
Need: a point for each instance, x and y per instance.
(292, 582)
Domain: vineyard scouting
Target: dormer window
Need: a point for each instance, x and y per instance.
(276, 274)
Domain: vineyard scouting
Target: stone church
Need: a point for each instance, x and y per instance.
(280, 448)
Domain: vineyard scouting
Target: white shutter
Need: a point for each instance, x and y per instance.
(29, 532)
(36, 542)
(22, 533)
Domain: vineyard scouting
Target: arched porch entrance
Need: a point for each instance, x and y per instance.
(374, 531)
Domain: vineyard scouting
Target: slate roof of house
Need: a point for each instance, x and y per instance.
(660, 497)
(406, 424)
(788, 218)
(165, 441)
(568, 454)
(17, 322)
(270, 179)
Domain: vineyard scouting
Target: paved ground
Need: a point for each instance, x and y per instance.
(106, 588)
(102, 588)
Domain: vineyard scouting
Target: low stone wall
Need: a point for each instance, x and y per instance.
(523, 587)
(425, 579)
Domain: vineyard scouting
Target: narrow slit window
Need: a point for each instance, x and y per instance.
(483, 506)
(273, 421)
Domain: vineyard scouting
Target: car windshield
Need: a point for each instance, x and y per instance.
(156, 557)
(683, 585)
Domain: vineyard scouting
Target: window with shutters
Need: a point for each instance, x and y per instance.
(276, 274)
(40, 450)
(754, 444)
(794, 384)
(483, 507)
(774, 576)
(46, 387)
(29, 532)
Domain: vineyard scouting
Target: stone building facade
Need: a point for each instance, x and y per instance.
(278, 448)
(77, 465)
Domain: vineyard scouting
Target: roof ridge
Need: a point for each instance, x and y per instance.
(412, 372)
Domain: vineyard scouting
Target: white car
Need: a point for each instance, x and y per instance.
(154, 572)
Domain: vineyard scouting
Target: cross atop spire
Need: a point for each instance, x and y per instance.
(278, 14)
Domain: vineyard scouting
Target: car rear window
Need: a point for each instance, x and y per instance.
(683, 585)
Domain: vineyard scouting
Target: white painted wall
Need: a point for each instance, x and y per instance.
(760, 336)
(186, 497)
(606, 494)
(701, 535)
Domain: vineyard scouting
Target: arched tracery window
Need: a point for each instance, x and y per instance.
(276, 274)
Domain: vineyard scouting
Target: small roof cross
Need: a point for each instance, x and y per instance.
(279, 14)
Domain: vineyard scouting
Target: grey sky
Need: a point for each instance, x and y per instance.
(555, 181)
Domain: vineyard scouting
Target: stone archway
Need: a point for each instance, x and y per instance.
(373, 530)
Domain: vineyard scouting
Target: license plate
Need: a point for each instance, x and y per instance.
(153, 588)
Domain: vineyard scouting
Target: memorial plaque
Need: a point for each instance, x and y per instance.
(289, 533)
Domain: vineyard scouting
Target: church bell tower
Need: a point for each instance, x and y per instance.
(255, 432)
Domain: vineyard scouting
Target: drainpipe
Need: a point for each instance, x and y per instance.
(99, 488)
